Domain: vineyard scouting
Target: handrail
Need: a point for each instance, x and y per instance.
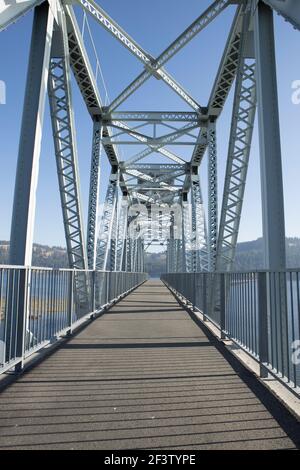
(258, 310)
(40, 305)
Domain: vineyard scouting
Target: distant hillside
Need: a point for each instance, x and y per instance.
(249, 256)
(43, 255)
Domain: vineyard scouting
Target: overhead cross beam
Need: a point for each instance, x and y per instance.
(156, 141)
(151, 116)
(111, 26)
(11, 11)
(289, 9)
(154, 66)
(162, 185)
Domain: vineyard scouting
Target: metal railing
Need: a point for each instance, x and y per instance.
(40, 305)
(259, 311)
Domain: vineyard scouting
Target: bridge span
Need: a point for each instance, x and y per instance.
(146, 374)
(133, 367)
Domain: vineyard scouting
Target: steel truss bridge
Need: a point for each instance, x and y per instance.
(153, 203)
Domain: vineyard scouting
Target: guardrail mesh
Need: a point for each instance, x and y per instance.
(258, 310)
(39, 305)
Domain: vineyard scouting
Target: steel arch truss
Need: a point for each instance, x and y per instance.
(63, 127)
(58, 48)
(94, 194)
(121, 234)
(106, 224)
(200, 253)
(212, 197)
(238, 156)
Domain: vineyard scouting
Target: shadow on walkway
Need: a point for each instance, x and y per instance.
(143, 376)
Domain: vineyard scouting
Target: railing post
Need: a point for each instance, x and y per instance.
(22, 317)
(222, 305)
(93, 292)
(107, 287)
(205, 296)
(70, 302)
(262, 323)
(193, 296)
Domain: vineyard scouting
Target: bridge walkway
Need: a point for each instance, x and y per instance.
(144, 375)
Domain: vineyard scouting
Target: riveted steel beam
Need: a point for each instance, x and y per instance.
(243, 116)
(61, 109)
(22, 227)
(212, 197)
(92, 228)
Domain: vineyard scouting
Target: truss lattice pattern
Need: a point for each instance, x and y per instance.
(145, 194)
(66, 160)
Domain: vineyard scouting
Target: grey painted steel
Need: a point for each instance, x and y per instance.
(183, 237)
(94, 192)
(228, 66)
(199, 226)
(198, 25)
(85, 79)
(289, 9)
(151, 116)
(121, 235)
(11, 11)
(269, 138)
(187, 222)
(200, 147)
(47, 300)
(145, 153)
(271, 167)
(152, 148)
(197, 156)
(148, 386)
(247, 307)
(22, 227)
(112, 27)
(152, 141)
(243, 115)
(154, 67)
(249, 314)
(212, 197)
(263, 323)
(61, 109)
(81, 66)
(105, 227)
(113, 246)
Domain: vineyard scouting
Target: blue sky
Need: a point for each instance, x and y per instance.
(154, 25)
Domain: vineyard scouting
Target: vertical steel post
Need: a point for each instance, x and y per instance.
(212, 196)
(183, 241)
(22, 312)
(269, 139)
(270, 162)
(93, 293)
(262, 323)
(205, 296)
(22, 227)
(23, 216)
(94, 194)
(194, 287)
(70, 301)
(222, 305)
